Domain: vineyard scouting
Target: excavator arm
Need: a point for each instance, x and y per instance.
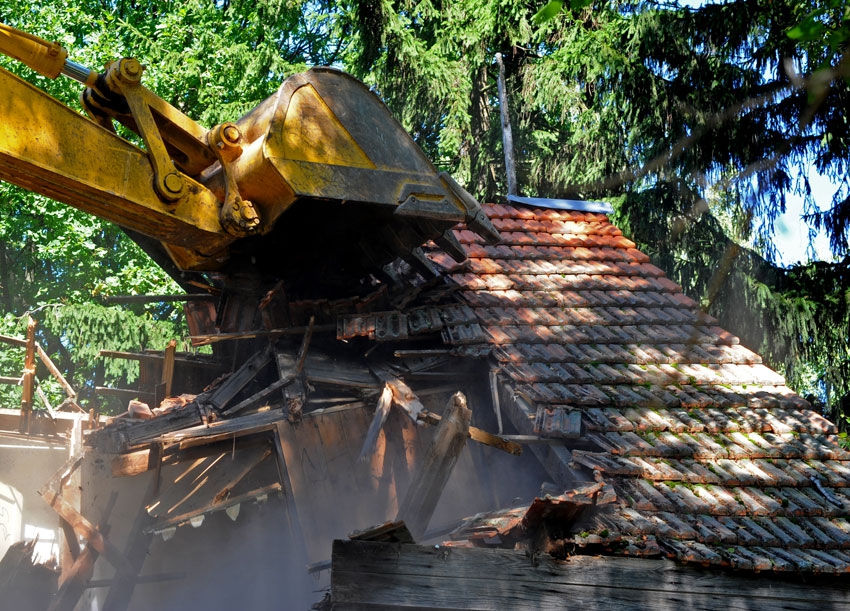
(322, 158)
(48, 148)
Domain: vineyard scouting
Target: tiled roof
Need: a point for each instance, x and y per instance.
(711, 455)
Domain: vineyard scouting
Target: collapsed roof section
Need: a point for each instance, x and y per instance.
(714, 460)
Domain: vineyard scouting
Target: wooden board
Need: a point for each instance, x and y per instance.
(334, 493)
(432, 475)
(382, 576)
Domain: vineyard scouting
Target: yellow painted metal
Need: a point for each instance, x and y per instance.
(325, 136)
(50, 149)
(47, 58)
(311, 132)
(186, 138)
(238, 216)
(126, 75)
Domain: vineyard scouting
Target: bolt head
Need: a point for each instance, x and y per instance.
(131, 68)
(231, 134)
(173, 183)
(247, 212)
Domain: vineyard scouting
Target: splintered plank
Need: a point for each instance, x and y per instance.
(51, 493)
(54, 371)
(402, 434)
(225, 429)
(481, 436)
(370, 575)
(433, 474)
(382, 411)
(28, 380)
(377, 472)
(366, 509)
(75, 582)
(168, 366)
(76, 577)
(381, 473)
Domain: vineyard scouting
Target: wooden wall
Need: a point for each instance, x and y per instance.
(383, 576)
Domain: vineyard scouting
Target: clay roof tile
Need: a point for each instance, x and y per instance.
(709, 450)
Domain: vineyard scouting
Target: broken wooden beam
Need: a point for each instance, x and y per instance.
(421, 499)
(82, 526)
(15, 341)
(144, 431)
(225, 429)
(77, 575)
(28, 383)
(221, 396)
(69, 545)
(381, 413)
(294, 393)
(405, 398)
(259, 396)
(506, 443)
(45, 402)
(75, 583)
(203, 340)
(54, 371)
(168, 366)
(305, 345)
(494, 393)
(289, 371)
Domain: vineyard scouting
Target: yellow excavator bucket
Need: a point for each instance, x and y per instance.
(340, 186)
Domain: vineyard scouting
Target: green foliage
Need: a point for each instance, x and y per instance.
(697, 123)
(609, 97)
(431, 63)
(86, 328)
(828, 25)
